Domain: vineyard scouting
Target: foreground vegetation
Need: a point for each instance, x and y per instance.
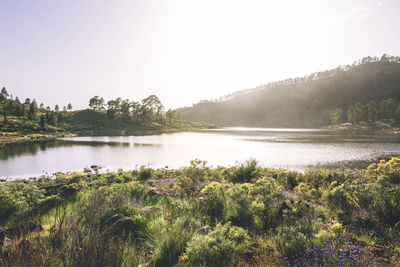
(244, 215)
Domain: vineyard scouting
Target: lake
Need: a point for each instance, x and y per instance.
(280, 148)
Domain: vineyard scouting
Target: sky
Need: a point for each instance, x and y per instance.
(183, 51)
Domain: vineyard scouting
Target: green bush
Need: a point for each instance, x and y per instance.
(213, 203)
(245, 172)
(224, 246)
(239, 210)
(198, 170)
(289, 241)
(288, 179)
(386, 203)
(124, 221)
(19, 201)
(171, 244)
(145, 173)
(389, 169)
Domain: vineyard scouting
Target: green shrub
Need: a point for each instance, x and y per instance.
(171, 244)
(224, 246)
(298, 227)
(289, 241)
(389, 169)
(245, 172)
(386, 203)
(8, 205)
(288, 179)
(19, 201)
(124, 221)
(145, 173)
(187, 186)
(213, 203)
(48, 203)
(239, 210)
(70, 191)
(198, 170)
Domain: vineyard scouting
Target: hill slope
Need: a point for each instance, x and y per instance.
(365, 91)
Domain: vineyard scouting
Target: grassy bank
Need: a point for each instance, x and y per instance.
(384, 126)
(86, 123)
(244, 215)
(15, 137)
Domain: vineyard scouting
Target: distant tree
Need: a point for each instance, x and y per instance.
(56, 108)
(113, 108)
(387, 108)
(17, 100)
(27, 101)
(52, 118)
(96, 103)
(384, 58)
(69, 107)
(5, 118)
(152, 106)
(135, 110)
(60, 117)
(34, 103)
(3, 104)
(372, 111)
(21, 110)
(125, 110)
(41, 106)
(350, 116)
(10, 107)
(32, 111)
(48, 108)
(4, 94)
(64, 108)
(43, 121)
(397, 115)
(170, 115)
(336, 116)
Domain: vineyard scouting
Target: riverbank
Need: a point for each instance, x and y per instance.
(13, 138)
(244, 215)
(16, 137)
(383, 127)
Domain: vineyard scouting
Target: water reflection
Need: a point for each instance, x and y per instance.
(286, 148)
(14, 150)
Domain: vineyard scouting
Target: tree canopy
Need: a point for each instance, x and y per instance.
(367, 90)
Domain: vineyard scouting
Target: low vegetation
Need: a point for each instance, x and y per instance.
(244, 215)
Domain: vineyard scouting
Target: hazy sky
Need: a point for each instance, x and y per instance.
(181, 50)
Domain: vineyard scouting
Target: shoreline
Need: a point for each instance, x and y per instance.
(6, 140)
(13, 138)
(373, 127)
(356, 164)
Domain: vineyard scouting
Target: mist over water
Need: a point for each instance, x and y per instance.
(272, 147)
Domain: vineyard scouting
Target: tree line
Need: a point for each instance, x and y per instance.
(386, 109)
(149, 109)
(367, 90)
(30, 110)
(30, 116)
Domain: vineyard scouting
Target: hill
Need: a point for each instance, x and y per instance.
(367, 90)
(28, 121)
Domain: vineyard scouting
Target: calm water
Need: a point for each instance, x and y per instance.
(287, 148)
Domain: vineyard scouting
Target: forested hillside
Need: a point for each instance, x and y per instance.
(115, 117)
(367, 90)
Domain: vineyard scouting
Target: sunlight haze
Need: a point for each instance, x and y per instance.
(182, 51)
